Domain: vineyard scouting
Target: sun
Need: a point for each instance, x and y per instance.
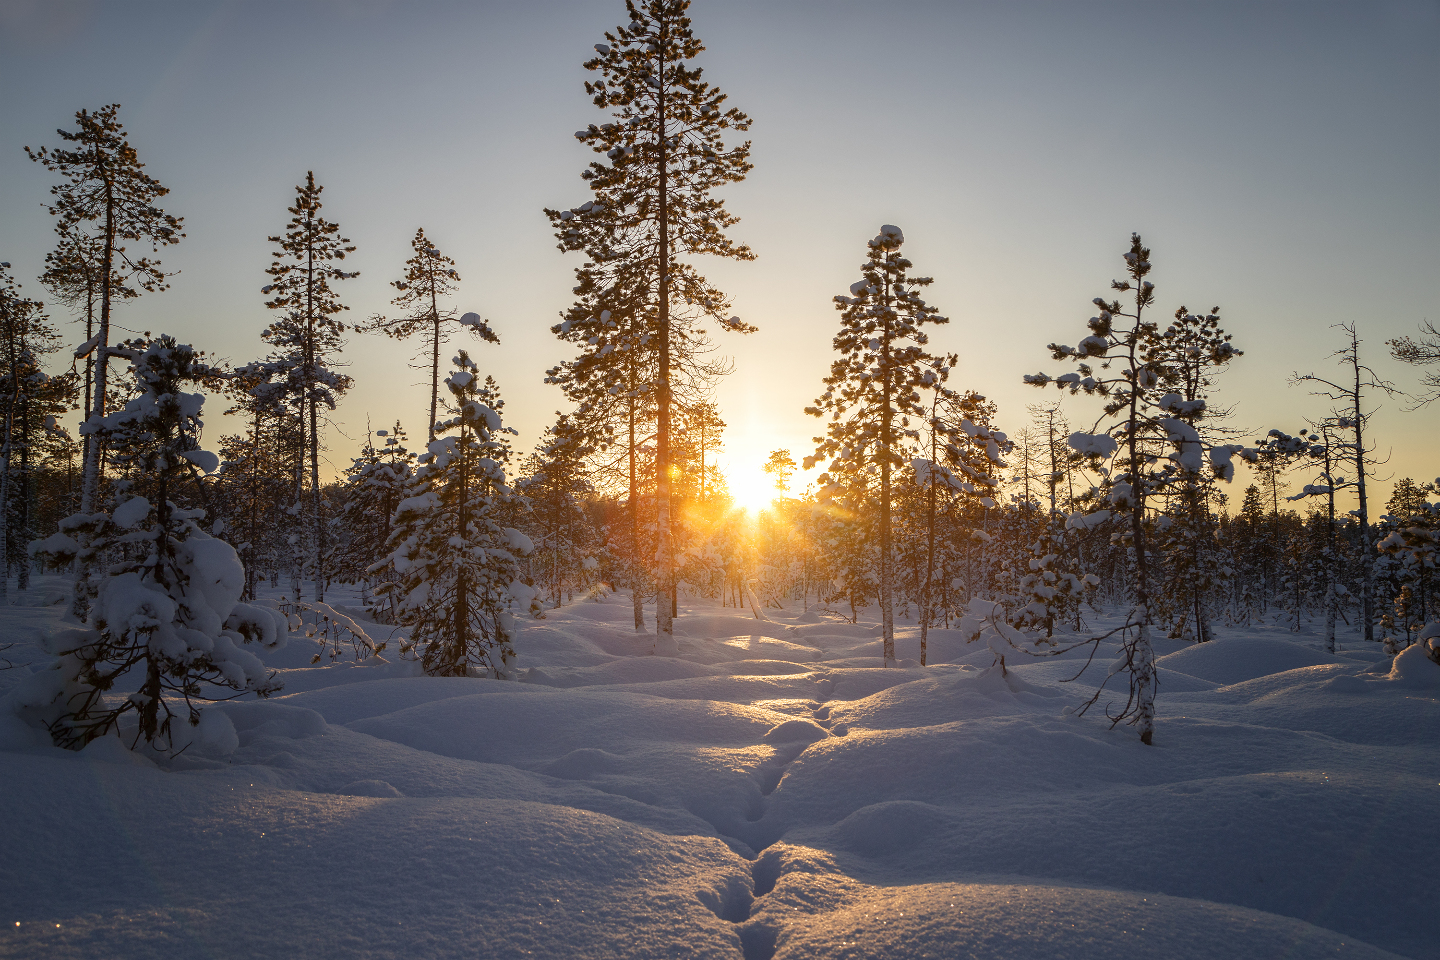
(751, 488)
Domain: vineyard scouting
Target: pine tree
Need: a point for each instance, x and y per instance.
(375, 483)
(105, 186)
(72, 274)
(1422, 352)
(556, 486)
(457, 565)
(966, 455)
(781, 466)
(1146, 423)
(308, 334)
(168, 613)
(873, 388)
(652, 207)
(706, 430)
(257, 469)
(429, 276)
(1317, 449)
(1187, 355)
(32, 400)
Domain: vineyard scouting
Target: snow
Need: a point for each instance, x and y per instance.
(130, 513)
(772, 792)
(1189, 451)
(206, 460)
(1093, 444)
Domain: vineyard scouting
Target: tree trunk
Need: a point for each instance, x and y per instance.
(316, 522)
(1142, 658)
(1367, 548)
(664, 551)
(90, 477)
(887, 606)
(925, 604)
(637, 599)
(317, 532)
(297, 555)
(434, 361)
(459, 639)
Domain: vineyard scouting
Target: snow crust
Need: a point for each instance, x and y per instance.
(772, 792)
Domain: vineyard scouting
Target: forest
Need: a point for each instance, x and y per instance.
(1134, 667)
(926, 509)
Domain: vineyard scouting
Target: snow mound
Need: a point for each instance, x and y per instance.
(374, 698)
(983, 921)
(268, 719)
(1237, 659)
(368, 788)
(795, 731)
(1415, 670)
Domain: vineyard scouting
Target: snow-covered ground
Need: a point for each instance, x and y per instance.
(772, 792)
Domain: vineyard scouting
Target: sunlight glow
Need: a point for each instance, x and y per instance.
(751, 488)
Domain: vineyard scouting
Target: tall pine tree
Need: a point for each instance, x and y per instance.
(106, 200)
(652, 207)
(309, 333)
(873, 387)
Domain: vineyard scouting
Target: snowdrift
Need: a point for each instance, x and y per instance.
(767, 794)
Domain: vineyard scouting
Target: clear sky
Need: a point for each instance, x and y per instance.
(1282, 160)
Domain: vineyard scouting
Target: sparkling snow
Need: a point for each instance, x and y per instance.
(770, 792)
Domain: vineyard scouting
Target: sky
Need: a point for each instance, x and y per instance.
(1282, 161)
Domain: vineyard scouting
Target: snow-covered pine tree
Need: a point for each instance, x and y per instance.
(105, 186)
(167, 613)
(948, 415)
(610, 384)
(429, 276)
(308, 333)
(257, 470)
(873, 387)
(1410, 555)
(1252, 546)
(1187, 355)
(456, 564)
(652, 207)
(1351, 394)
(1144, 424)
(375, 483)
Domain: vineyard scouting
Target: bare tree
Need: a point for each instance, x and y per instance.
(1351, 415)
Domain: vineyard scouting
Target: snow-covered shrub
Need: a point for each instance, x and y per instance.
(164, 618)
(455, 561)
